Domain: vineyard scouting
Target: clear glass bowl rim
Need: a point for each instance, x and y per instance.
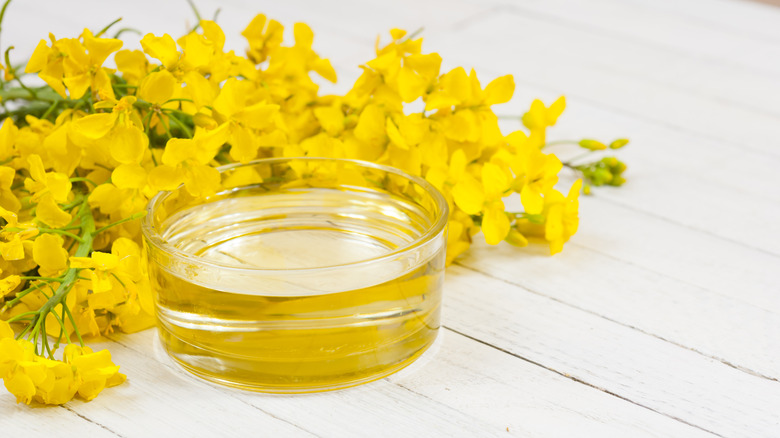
(153, 238)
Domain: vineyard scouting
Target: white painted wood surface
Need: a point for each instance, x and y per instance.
(661, 317)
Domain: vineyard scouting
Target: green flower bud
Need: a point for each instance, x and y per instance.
(602, 176)
(619, 143)
(586, 189)
(617, 181)
(514, 238)
(610, 161)
(592, 145)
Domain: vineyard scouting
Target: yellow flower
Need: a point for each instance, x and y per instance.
(540, 117)
(459, 230)
(94, 371)
(8, 133)
(9, 203)
(99, 265)
(444, 177)
(49, 254)
(475, 197)
(51, 214)
(263, 36)
(48, 189)
(418, 75)
(560, 218)
(42, 182)
(535, 172)
(161, 48)
(59, 385)
(6, 332)
(132, 64)
(83, 64)
(157, 89)
(244, 116)
(21, 386)
(186, 161)
(456, 88)
(121, 131)
(74, 64)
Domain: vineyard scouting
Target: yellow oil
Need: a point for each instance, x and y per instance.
(300, 334)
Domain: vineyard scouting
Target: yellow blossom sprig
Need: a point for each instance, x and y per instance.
(81, 156)
(604, 171)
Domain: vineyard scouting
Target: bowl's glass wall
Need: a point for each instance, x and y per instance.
(300, 275)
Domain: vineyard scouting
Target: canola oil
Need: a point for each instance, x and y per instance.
(311, 319)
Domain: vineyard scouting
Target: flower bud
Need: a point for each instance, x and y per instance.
(619, 143)
(514, 238)
(204, 121)
(592, 145)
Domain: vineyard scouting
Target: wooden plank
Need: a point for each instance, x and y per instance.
(652, 28)
(688, 256)
(460, 388)
(552, 57)
(20, 420)
(655, 147)
(721, 327)
(646, 370)
(687, 55)
(158, 402)
(739, 17)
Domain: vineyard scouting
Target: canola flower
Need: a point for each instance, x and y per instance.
(81, 156)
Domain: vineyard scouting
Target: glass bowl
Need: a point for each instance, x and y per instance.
(300, 274)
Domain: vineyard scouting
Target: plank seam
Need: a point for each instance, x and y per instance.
(85, 418)
(622, 324)
(652, 121)
(514, 10)
(211, 385)
(710, 25)
(583, 382)
(690, 227)
(462, 24)
(430, 399)
(517, 10)
(670, 277)
(276, 417)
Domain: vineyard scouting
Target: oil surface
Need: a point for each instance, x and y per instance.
(305, 333)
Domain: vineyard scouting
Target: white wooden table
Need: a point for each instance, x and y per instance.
(660, 318)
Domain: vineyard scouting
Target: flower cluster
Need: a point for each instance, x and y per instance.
(81, 156)
(32, 377)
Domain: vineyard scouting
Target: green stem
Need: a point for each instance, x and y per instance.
(570, 162)
(81, 178)
(127, 219)
(45, 339)
(62, 327)
(33, 94)
(413, 34)
(181, 124)
(178, 99)
(40, 278)
(22, 294)
(197, 15)
(127, 29)
(71, 275)
(51, 109)
(75, 327)
(560, 142)
(102, 31)
(63, 232)
(2, 14)
(20, 316)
